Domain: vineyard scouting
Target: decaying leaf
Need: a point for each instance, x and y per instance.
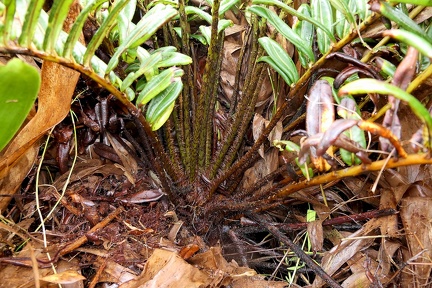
(319, 116)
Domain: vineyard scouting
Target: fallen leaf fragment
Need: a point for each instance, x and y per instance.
(66, 277)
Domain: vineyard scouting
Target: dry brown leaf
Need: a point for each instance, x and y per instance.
(17, 276)
(57, 87)
(114, 272)
(167, 269)
(416, 213)
(66, 277)
(388, 201)
(339, 255)
(316, 235)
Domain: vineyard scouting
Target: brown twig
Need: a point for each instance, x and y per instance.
(331, 222)
(297, 250)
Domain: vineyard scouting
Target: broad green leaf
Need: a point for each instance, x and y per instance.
(157, 84)
(30, 22)
(19, 86)
(77, 27)
(299, 15)
(160, 108)
(202, 14)
(323, 13)
(280, 59)
(145, 28)
(363, 86)
(124, 27)
(103, 31)
(423, 45)
(285, 30)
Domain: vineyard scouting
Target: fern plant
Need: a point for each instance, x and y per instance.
(199, 145)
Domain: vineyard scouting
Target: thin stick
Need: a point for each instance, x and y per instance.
(299, 252)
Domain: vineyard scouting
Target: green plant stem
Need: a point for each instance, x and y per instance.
(241, 165)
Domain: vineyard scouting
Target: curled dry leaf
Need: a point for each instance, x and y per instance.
(319, 116)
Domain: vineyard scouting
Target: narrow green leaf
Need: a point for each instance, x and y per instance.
(227, 5)
(305, 30)
(363, 86)
(19, 86)
(413, 2)
(58, 14)
(146, 27)
(423, 45)
(174, 59)
(362, 9)
(157, 84)
(124, 19)
(280, 58)
(397, 16)
(285, 30)
(146, 65)
(299, 15)
(344, 16)
(161, 106)
(103, 31)
(8, 20)
(30, 22)
(274, 65)
(348, 109)
(323, 13)
(77, 27)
